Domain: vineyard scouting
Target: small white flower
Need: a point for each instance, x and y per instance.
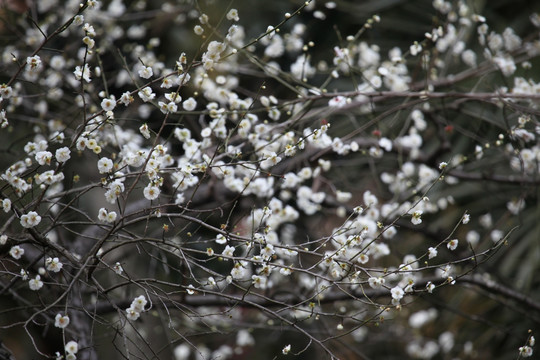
(24, 274)
(16, 252)
(146, 72)
(111, 216)
(72, 347)
(286, 349)
(525, 351)
(36, 283)
(452, 244)
(417, 217)
(139, 303)
(108, 104)
(33, 63)
(151, 192)
(259, 281)
(228, 251)
(415, 49)
(82, 143)
(189, 104)
(432, 252)
(106, 216)
(342, 196)
(358, 210)
(271, 160)
(338, 101)
(132, 314)
(102, 214)
(30, 220)
(126, 98)
(89, 42)
(6, 205)
(61, 321)
(105, 165)
(268, 251)
(143, 129)
(233, 15)
(118, 268)
(376, 282)
(82, 73)
(3, 118)
(169, 107)
(397, 293)
(44, 157)
(198, 30)
(53, 264)
(146, 94)
(221, 239)
(285, 271)
(62, 154)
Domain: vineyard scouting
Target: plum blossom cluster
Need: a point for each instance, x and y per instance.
(133, 312)
(338, 189)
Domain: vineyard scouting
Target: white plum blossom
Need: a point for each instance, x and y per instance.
(82, 73)
(197, 29)
(106, 216)
(452, 244)
(146, 72)
(189, 104)
(397, 293)
(139, 303)
(151, 192)
(108, 104)
(72, 347)
(132, 314)
(35, 283)
(271, 160)
(228, 251)
(417, 217)
(136, 308)
(525, 351)
(105, 165)
(286, 349)
(6, 205)
(3, 119)
(146, 94)
(260, 282)
(233, 15)
(33, 63)
(30, 219)
(338, 101)
(62, 154)
(376, 282)
(16, 252)
(61, 321)
(169, 107)
(44, 157)
(221, 239)
(126, 98)
(53, 264)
